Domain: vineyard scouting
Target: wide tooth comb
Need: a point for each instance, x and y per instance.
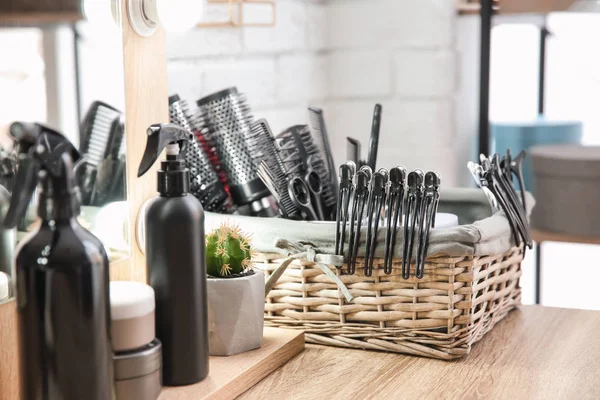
(319, 133)
(262, 143)
(96, 132)
(353, 150)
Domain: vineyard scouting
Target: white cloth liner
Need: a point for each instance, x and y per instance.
(480, 233)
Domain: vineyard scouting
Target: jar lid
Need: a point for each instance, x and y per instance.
(566, 160)
(3, 286)
(130, 299)
(536, 122)
(139, 362)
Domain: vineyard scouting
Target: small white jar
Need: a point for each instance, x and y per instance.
(132, 307)
(4, 286)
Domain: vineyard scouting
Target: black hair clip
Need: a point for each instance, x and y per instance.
(428, 210)
(374, 207)
(395, 200)
(361, 194)
(414, 198)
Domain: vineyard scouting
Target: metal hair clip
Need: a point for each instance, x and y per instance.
(501, 197)
(376, 202)
(395, 201)
(367, 170)
(516, 208)
(478, 175)
(361, 193)
(516, 167)
(431, 199)
(346, 189)
(411, 213)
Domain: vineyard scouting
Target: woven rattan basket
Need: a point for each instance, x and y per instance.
(462, 295)
(441, 316)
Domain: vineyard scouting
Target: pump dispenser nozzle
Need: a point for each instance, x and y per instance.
(40, 149)
(173, 177)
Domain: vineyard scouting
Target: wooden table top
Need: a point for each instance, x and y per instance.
(545, 236)
(535, 353)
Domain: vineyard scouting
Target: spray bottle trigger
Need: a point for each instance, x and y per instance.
(160, 136)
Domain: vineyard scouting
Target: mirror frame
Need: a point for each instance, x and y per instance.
(146, 103)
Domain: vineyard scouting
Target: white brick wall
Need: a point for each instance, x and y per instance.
(280, 69)
(360, 73)
(424, 73)
(342, 55)
(395, 23)
(399, 53)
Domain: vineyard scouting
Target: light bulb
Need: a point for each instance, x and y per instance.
(174, 15)
(101, 12)
(179, 15)
(110, 226)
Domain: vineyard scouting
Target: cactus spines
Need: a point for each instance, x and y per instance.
(228, 251)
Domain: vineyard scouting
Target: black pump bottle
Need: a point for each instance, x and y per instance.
(61, 279)
(175, 259)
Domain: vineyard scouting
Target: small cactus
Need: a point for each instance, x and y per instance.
(228, 252)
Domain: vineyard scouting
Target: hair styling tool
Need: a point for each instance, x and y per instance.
(301, 196)
(374, 143)
(353, 151)
(263, 145)
(512, 200)
(477, 173)
(411, 215)
(309, 148)
(204, 182)
(347, 172)
(280, 191)
(516, 167)
(110, 180)
(230, 118)
(374, 207)
(361, 194)
(96, 130)
(319, 134)
(428, 209)
(395, 200)
(302, 159)
(205, 134)
(367, 170)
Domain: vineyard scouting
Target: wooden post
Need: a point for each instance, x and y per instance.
(146, 103)
(9, 359)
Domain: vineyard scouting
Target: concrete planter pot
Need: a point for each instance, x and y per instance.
(236, 314)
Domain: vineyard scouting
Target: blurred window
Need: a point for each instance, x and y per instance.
(22, 81)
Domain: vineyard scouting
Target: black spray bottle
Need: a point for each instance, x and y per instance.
(61, 279)
(175, 259)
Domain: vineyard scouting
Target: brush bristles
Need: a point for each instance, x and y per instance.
(352, 150)
(98, 134)
(179, 114)
(317, 123)
(271, 168)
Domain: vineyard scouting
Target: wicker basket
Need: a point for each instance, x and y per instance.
(458, 301)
